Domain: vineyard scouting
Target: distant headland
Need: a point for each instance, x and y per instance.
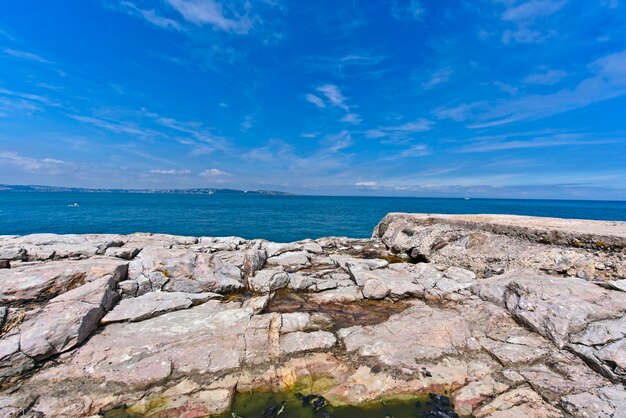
(199, 190)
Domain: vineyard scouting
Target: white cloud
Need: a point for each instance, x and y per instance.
(525, 16)
(114, 126)
(531, 10)
(12, 102)
(336, 142)
(503, 143)
(170, 172)
(351, 117)
(458, 113)
(151, 16)
(407, 10)
(438, 77)
(418, 150)
(608, 80)
(311, 98)
(25, 55)
(546, 78)
(366, 184)
(48, 165)
(214, 172)
(334, 96)
(406, 129)
(212, 12)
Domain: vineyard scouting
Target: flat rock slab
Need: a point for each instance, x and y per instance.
(36, 282)
(418, 333)
(555, 307)
(153, 304)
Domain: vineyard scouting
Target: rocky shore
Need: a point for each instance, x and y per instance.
(510, 316)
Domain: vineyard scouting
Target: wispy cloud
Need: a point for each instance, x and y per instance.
(503, 142)
(608, 81)
(115, 126)
(170, 172)
(526, 16)
(47, 165)
(330, 95)
(15, 102)
(334, 95)
(25, 55)
(400, 131)
(151, 16)
(407, 10)
(418, 150)
(366, 184)
(212, 12)
(313, 99)
(214, 172)
(546, 78)
(438, 77)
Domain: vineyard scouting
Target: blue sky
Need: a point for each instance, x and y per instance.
(502, 98)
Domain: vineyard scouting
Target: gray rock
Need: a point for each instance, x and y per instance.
(339, 295)
(608, 401)
(268, 280)
(68, 320)
(296, 342)
(254, 261)
(418, 333)
(553, 306)
(125, 253)
(154, 304)
(289, 259)
(5, 264)
(44, 281)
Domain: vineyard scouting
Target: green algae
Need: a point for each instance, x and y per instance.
(250, 405)
(254, 404)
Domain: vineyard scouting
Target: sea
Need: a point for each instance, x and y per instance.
(275, 218)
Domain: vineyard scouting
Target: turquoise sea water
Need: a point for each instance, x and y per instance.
(277, 218)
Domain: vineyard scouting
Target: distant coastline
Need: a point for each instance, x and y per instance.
(202, 190)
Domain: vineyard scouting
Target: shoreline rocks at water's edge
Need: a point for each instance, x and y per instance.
(513, 316)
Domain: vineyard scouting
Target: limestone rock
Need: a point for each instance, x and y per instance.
(154, 304)
(555, 307)
(268, 280)
(289, 259)
(44, 281)
(418, 333)
(68, 319)
(295, 342)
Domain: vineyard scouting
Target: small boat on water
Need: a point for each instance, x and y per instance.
(74, 205)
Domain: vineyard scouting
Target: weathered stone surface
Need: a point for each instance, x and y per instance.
(67, 320)
(44, 281)
(181, 270)
(154, 304)
(519, 343)
(555, 307)
(339, 295)
(296, 342)
(470, 396)
(489, 244)
(268, 280)
(609, 401)
(433, 334)
(518, 403)
(125, 253)
(289, 259)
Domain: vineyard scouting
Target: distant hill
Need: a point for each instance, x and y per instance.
(209, 191)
